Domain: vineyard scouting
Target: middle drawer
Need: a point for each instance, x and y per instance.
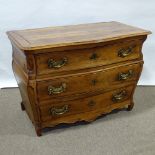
(88, 82)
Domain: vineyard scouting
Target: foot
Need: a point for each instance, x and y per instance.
(38, 131)
(22, 106)
(130, 107)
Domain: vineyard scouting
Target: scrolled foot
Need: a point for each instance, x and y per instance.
(38, 131)
(130, 107)
(22, 106)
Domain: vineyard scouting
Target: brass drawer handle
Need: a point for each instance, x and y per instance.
(56, 90)
(118, 97)
(54, 111)
(125, 52)
(57, 64)
(125, 76)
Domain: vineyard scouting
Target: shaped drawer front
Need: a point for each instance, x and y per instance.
(66, 61)
(54, 111)
(72, 85)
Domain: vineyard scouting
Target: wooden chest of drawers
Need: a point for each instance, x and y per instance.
(76, 73)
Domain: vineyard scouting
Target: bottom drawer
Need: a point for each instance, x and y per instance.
(54, 111)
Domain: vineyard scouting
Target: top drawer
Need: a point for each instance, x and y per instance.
(63, 61)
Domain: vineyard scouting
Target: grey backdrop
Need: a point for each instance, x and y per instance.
(23, 14)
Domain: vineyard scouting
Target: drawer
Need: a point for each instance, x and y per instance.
(89, 82)
(62, 61)
(109, 99)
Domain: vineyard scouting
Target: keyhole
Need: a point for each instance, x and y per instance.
(91, 103)
(93, 56)
(94, 82)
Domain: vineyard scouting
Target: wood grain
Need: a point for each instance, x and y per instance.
(82, 58)
(88, 116)
(91, 74)
(50, 37)
(82, 105)
(27, 93)
(92, 82)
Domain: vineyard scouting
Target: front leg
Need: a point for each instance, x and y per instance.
(22, 106)
(38, 131)
(130, 107)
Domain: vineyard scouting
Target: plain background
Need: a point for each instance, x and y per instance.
(24, 14)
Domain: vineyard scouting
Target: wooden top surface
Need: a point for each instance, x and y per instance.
(33, 39)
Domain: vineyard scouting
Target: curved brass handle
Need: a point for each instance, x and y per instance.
(54, 111)
(125, 76)
(57, 64)
(118, 97)
(125, 52)
(56, 90)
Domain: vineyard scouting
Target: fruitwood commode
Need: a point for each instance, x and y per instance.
(76, 73)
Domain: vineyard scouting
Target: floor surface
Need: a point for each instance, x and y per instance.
(120, 133)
